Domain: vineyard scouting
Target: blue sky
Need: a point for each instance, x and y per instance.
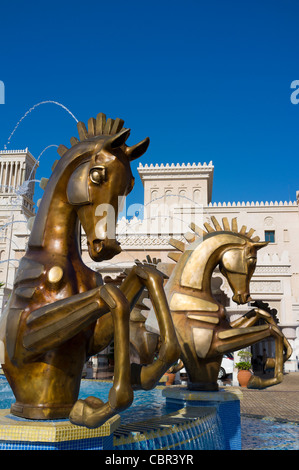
(205, 80)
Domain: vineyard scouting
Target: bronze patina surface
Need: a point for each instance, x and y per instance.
(60, 313)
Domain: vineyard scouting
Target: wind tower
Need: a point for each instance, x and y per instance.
(178, 193)
(17, 167)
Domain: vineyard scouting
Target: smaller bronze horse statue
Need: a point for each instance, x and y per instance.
(60, 313)
(202, 328)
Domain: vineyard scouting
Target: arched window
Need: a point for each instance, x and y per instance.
(168, 193)
(196, 195)
(154, 194)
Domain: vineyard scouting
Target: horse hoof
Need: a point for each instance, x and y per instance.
(88, 413)
(77, 413)
(254, 382)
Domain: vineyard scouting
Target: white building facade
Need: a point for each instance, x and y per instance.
(17, 168)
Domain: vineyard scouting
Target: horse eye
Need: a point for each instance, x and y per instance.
(97, 175)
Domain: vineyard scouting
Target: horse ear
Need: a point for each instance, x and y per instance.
(259, 245)
(119, 139)
(137, 150)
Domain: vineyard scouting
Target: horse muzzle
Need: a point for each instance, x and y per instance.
(100, 250)
(242, 298)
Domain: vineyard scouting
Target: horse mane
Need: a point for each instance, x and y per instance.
(101, 126)
(199, 233)
(95, 127)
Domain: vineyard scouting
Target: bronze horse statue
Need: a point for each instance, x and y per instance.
(202, 328)
(60, 313)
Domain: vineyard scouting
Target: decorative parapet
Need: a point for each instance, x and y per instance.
(178, 166)
(253, 204)
(183, 170)
(145, 242)
(19, 152)
(13, 151)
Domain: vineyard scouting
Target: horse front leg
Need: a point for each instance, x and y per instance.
(146, 376)
(252, 317)
(283, 351)
(234, 339)
(258, 382)
(287, 348)
(92, 412)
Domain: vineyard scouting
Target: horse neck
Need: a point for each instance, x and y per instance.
(55, 229)
(61, 229)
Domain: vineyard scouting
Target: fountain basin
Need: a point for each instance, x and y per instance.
(184, 429)
(25, 434)
(226, 403)
(166, 418)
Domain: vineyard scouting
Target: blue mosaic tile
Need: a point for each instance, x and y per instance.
(97, 443)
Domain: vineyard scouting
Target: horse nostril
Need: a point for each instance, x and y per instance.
(242, 298)
(245, 298)
(98, 244)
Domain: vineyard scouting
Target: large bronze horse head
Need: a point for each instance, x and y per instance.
(89, 181)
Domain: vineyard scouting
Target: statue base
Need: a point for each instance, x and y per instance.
(24, 434)
(225, 401)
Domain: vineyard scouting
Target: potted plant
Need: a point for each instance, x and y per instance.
(244, 367)
(170, 374)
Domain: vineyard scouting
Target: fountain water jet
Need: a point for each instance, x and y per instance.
(32, 108)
